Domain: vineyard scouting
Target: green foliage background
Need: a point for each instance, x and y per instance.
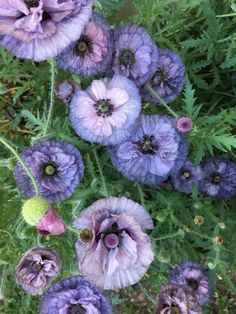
(204, 33)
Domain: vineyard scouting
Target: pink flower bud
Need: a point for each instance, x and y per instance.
(51, 223)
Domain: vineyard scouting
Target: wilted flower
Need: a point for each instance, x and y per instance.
(107, 111)
(154, 151)
(113, 250)
(41, 29)
(177, 300)
(186, 177)
(195, 277)
(198, 220)
(218, 240)
(168, 80)
(136, 55)
(57, 167)
(92, 52)
(37, 268)
(65, 90)
(73, 296)
(219, 177)
(184, 124)
(38, 212)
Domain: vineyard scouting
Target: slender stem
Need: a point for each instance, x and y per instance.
(27, 170)
(52, 88)
(2, 282)
(226, 15)
(146, 293)
(171, 235)
(161, 100)
(100, 170)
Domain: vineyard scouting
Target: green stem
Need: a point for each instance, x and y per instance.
(21, 162)
(146, 293)
(226, 15)
(2, 281)
(52, 88)
(171, 235)
(161, 100)
(100, 170)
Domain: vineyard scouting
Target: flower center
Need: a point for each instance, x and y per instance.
(32, 3)
(161, 75)
(50, 170)
(146, 146)
(83, 46)
(85, 235)
(174, 310)
(36, 267)
(192, 283)
(103, 107)
(76, 309)
(216, 178)
(186, 174)
(111, 241)
(126, 57)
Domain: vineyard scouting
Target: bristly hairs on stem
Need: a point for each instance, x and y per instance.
(52, 94)
(21, 162)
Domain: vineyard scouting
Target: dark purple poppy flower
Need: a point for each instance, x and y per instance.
(168, 80)
(184, 124)
(186, 177)
(41, 29)
(92, 52)
(107, 111)
(57, 167)
(37, 268)
(65, 90)
(195, 277)
(154, 151)
(219, 177)
(135, 55)
(74, 295)
(177, 300)
(113, 249)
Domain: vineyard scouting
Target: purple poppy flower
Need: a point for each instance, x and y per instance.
(37, 268)
(195, 277)
(186, 177)
(113, 250)
(41, 29)
(92, 52)
(219, 177)
(135, 55)
(56, 165)
(65, 90)
(184, 124)
(73, 296)
(154, 151)
(177, 299)
(107, 111)
(168, 80)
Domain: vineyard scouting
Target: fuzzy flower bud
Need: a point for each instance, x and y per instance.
(184, 124)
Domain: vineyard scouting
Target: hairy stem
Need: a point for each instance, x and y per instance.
(100, 170)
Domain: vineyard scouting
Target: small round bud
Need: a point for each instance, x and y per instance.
(199, 220)
(34, 209)
(218, 240)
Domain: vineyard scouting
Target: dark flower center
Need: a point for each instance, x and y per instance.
(146, 146)
(32, 3)
(192, 283)
(50, 170)
(76, 309)
(161, 75)
(83, 46)
(186, 174)
(174, 310)
(103, 107)
(36, 267)
(126, 57)
(215, 178)
(85, 235)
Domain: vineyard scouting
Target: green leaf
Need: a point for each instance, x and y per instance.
(224, 142)
(188, 99)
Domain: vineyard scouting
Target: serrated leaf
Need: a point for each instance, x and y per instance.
(188, 99)
(32, 119)
(224, 142)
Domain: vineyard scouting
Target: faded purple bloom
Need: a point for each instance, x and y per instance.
(57, 167)
(195, 277)
(106, 112)
(92, 52)
(168, 80)
(219, 177)
(37, 268)
(74, 295)
(113, 249)
(184, 124)
(136, 55)
(186, 177)
(177, 300)
(51, 223)
(65, 90)
(41, 29)
(154, 151)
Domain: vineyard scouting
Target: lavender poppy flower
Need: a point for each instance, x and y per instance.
(184, 124)
(195, 277)
(186, 177)
(177, 299)
(56, 165)
(113, 250)
(219, 177)
(135, 55)
(37, 268)
(107, 111)
(92, 52)
(168, 80)
(41, 29)
(154, 151)
(65, 90)
(73, 296)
